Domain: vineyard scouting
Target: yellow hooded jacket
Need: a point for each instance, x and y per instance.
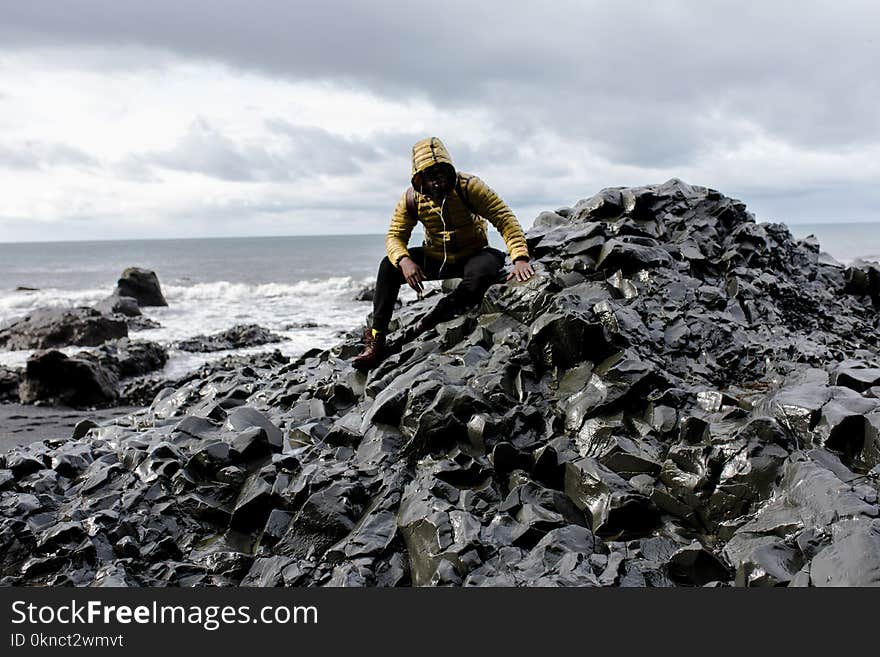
(462, 231)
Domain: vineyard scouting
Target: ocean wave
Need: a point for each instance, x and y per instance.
(226, 291)
(20, 302)
(15, 303)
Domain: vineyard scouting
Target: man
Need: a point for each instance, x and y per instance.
(453, 207)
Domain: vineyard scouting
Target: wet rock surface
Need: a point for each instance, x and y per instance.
(119, 305)
(128, 358)
(9, 381)
(238, 337)
(54, 378)
(681, 397)
(366, 293)
(88, 378)
(141, 285)
(110, 319)
(48, 328)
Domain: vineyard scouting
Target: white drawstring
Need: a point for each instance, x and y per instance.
(443, 221)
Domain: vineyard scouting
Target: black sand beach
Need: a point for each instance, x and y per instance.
(23, 424)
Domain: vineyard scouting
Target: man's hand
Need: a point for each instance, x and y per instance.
(412, 273)
(522, 270)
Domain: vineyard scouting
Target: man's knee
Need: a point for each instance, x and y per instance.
(482, 273)
(474, 286)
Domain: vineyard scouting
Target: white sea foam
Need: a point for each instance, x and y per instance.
(20, 302)
(224, 291)
(326, 307)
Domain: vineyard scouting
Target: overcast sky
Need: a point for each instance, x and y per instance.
(269, 117)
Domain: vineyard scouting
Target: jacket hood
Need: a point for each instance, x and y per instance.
(426, 153)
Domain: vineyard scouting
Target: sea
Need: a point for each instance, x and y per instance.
(302, 288)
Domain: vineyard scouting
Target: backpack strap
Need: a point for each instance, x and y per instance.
(411, 209)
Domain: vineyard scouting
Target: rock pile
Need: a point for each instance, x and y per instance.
(682, 396)
(90, 378)
(110, 319)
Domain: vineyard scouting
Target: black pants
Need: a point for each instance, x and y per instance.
(477, 273)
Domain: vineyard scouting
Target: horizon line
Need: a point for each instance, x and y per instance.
(188, 238)
(308, 235)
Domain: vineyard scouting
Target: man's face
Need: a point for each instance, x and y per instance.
(437, 180)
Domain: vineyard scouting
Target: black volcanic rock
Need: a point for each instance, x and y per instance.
(366, 293)
(128, 358)
(52, 377)
(9, 380)
(48, 328)
(141, 323)
(238, 337)
(680, 397)
(91, 377)
(119, 305)
(863, 279)
(142, 285)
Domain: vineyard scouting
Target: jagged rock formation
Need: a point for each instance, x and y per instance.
(48, 328)
(681, 397)
(130, 358)
(237, 337)
(89, 378)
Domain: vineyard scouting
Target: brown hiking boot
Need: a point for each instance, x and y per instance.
(374, 351)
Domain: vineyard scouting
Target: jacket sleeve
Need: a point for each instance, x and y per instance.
(489, 205)
(398, 234)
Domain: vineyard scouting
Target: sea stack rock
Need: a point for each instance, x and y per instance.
(142, 285)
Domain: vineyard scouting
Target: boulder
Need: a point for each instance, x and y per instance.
(9, 381)
(119, 305)
(141, 323)
(128, 358)
(49, 328)
(53, 378)
(238, 337)
(142, 285)
(366, 293)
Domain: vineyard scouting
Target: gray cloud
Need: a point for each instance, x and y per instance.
(314, 150)
(296, 152)
(40, 155)
(644, 86)
(638, 82)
